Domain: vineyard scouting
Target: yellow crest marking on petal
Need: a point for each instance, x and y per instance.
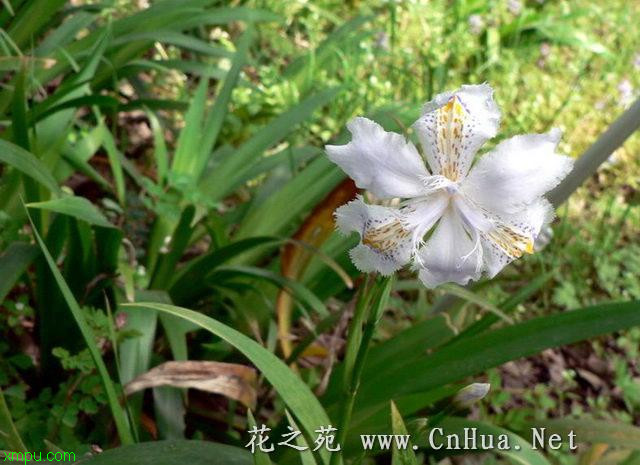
(385, 238)
(451, 120)
(510, 241)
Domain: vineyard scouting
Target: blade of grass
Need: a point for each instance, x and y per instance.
(218, 112)
(184, 159)
(371, 304)
(298, 290)
(167, 262)
(306, 456)
(27, 163)
(225, 177)
(159, 148)
(117, 411)
(77, 207)
(188, 285)
(114, 160)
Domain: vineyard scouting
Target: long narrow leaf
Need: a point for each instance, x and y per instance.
(13, 262)
(28, 164)
(220, 108)
(472, 355)
(187, 148)
(227, 173)
(78, 207)
(117, 410)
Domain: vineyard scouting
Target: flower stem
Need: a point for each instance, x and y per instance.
(598, 153)
(369, 308)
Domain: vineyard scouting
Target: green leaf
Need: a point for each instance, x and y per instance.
(334, 41)
(295, 288)
(136, 351)
(167, 262)
(77, 207)
(115, 163)
(188, 285)
(117, 411)
(236, 13)
(160, 148)
(401, 456)
(172, 452)
(178, 39)
(218, 112)
(293, 391)
(277, 214)
(472, 355)
(225, 177)
(13, 262)
(102, 101)
(520, 451)
(28, 164)
(187, 147)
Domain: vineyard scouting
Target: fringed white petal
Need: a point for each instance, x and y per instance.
(454, 125)
(452, 254)
(505, 237)
(527, 223)
(386, 243)
(518, 172)
(384, 163)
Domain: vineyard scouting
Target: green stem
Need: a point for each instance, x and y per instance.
(598, 153)
(370, 306)
(8, 429)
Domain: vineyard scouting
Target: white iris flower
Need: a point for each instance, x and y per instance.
(456, 221)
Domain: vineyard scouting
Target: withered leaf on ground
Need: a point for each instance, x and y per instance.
(235, 381)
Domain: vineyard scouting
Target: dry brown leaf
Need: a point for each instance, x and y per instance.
(235, 381)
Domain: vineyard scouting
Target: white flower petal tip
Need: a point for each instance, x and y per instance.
(517, 172)
(477, 98)
(457, 222)
(454, 125)
(383, 162)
